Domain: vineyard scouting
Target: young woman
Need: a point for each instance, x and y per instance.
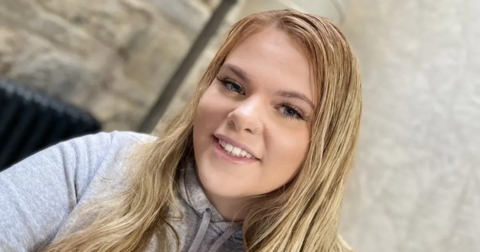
(256, 162)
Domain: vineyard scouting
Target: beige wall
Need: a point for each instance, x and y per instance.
(416, 186)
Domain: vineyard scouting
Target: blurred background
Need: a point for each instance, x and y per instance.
(70, 67)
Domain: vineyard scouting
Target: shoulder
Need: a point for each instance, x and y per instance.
(95, 148)
(104, 152)
(38, 193)
(130, 136)
(114, 139)
(72, 164)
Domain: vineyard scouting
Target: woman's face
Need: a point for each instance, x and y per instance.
(251, 129)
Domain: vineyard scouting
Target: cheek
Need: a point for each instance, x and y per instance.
(209, 114)
(289, 150)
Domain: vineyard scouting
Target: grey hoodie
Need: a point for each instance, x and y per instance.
(39, 196)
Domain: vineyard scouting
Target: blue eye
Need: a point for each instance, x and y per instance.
(291, 112)
(232, 86)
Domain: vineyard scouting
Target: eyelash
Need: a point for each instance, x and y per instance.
(299, 115)
(226, 82)
(287, 105)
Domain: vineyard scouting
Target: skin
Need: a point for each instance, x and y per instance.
(262, 98)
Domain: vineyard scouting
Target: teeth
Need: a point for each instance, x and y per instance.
(222, 143)
(234, 151)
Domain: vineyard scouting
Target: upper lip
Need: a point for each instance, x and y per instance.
(235, 144)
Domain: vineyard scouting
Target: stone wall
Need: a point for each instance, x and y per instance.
(110, 57)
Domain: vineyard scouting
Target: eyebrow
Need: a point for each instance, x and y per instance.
(237, 71)
(294, 94)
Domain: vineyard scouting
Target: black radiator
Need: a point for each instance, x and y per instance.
(31, 121)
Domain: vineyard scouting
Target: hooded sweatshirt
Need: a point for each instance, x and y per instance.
(40, 195)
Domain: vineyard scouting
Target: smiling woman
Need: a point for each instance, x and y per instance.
(256, 162)
(259, 104)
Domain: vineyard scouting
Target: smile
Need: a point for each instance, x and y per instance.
(234, 151)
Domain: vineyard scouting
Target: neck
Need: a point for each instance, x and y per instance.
(232, 209)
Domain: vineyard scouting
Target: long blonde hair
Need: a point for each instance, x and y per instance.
(303, 215)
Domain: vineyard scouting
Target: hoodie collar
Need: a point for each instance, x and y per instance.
(191, 191)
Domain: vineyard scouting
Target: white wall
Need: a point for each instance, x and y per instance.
(416, 186)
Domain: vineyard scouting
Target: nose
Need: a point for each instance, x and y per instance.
(246, 117)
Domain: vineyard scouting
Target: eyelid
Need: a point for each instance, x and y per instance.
(226, 80)
(300, 112)
(223, 79)
(232, 81)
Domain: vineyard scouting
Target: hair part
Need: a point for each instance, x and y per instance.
(301, 216)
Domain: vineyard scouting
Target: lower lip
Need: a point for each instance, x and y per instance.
(222, 153)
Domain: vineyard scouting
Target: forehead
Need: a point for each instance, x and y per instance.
(272, 58)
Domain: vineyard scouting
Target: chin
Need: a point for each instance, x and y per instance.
(219, 183)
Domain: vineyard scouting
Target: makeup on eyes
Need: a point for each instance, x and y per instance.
(231, 84)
